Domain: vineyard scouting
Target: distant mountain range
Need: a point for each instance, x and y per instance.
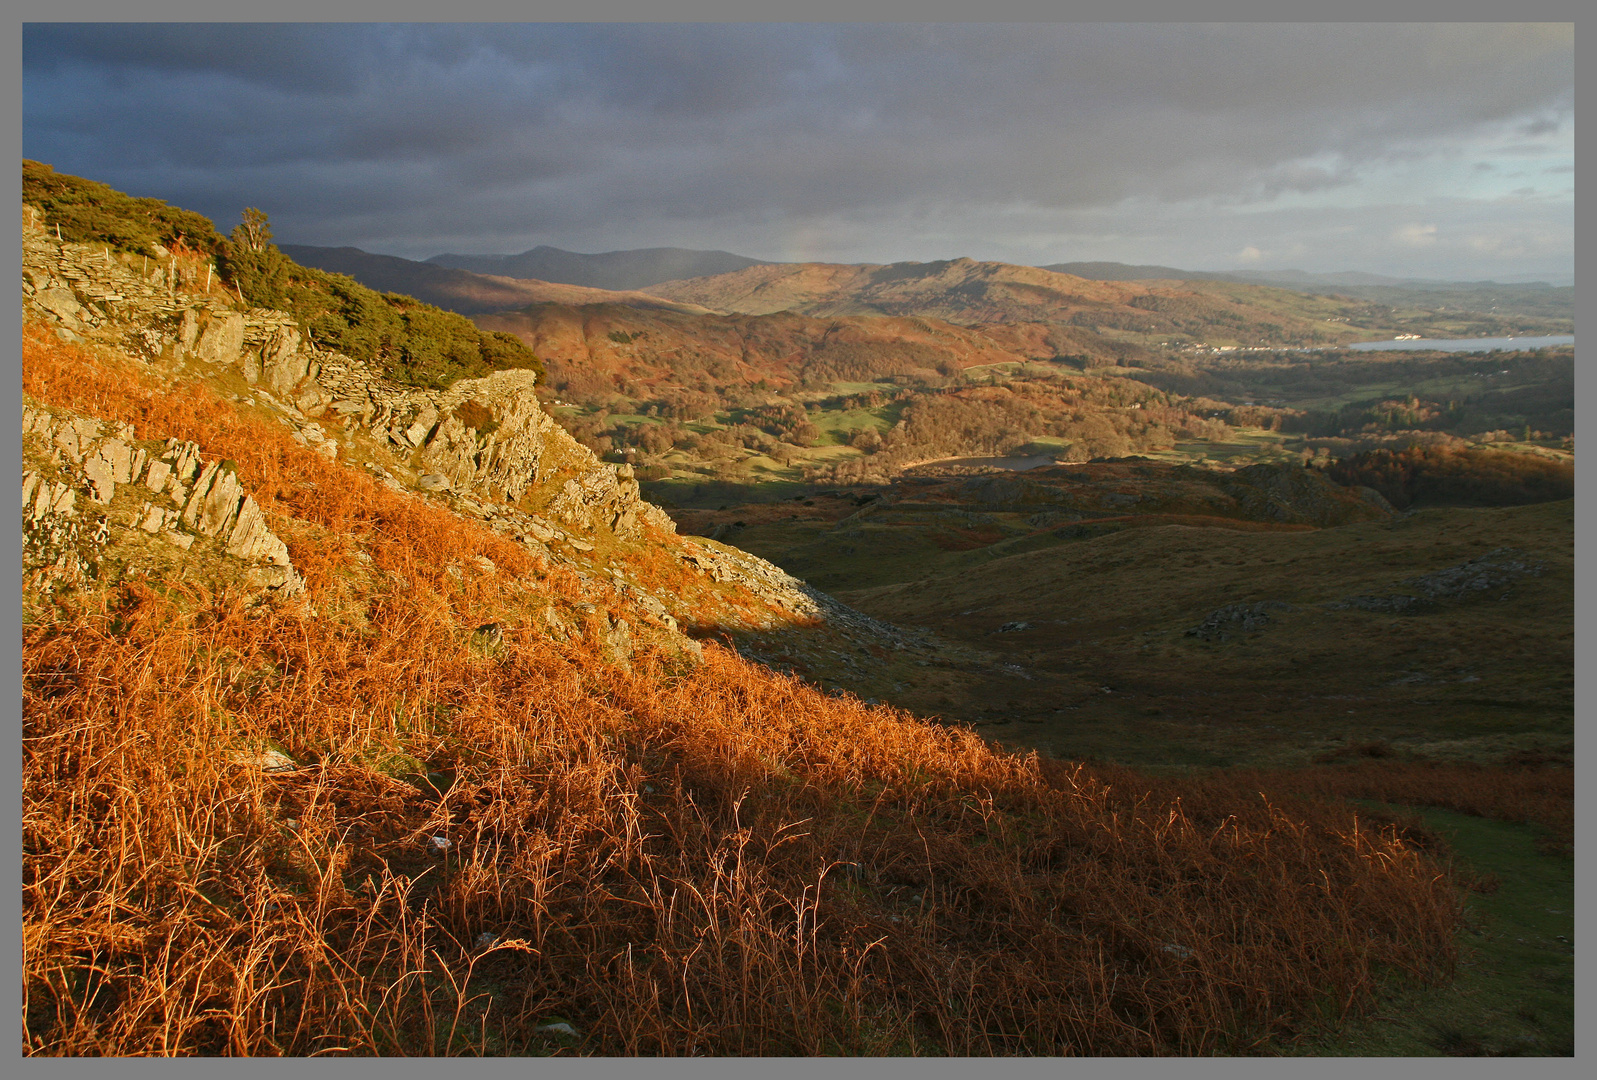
(461, 290)
(479, 283)
(620, 270)
(1133, 303)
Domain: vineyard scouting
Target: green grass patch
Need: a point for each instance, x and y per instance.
(862, 387)
(1515, 991)
(837, 427)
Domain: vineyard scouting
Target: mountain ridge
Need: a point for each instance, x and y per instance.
(621, 271)
(463, 291)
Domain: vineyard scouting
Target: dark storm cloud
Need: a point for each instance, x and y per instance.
(416, 138)
(266, 54)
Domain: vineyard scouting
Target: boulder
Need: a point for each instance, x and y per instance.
(312, 399)
(416, 433)
(60, 303)
(1223, 622)
(222, 339)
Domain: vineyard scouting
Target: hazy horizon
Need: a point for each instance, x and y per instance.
(1519, 280)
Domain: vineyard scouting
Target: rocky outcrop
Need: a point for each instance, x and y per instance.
(166, 491)
(511, 447)
(1497, 569)
(484, 446)
(1295, 495)
(1236, 618)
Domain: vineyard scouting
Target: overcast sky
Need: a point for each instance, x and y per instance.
(1426, 150)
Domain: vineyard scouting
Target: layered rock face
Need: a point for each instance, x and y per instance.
(78, 469)
(88, 293)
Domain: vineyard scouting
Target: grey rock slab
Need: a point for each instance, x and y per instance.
(65, 439)
(102, 484)
(222, 339)
(118, 457)
(59, 302)
(252, 540)
(188, 330)
(155, 477)
(221, 504)
(196, 500)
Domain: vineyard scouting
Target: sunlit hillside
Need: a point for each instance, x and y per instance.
(366, 712)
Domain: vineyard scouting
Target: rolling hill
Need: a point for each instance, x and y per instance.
(969, 292)
(621, 346)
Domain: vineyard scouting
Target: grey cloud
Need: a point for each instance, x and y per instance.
(286, 55)
(394, 135)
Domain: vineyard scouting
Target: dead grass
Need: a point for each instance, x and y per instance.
(1530, 791)
(718, 861)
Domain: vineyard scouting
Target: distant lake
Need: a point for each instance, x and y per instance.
(1484, 344)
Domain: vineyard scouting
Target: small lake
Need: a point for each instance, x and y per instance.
(1485, 344)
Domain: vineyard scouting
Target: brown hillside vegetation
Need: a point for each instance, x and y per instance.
(1535, 789)
(780, 369)
(595, 350)
(526, 849)
(1458, 476)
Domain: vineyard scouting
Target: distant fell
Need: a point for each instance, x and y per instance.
(460, 291)
(966, 292)
(1116, 271)
(635, 269)
(961, 289)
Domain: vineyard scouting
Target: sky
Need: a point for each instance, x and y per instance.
(1414, 150)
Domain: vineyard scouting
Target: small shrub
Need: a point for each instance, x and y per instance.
(474, 414)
